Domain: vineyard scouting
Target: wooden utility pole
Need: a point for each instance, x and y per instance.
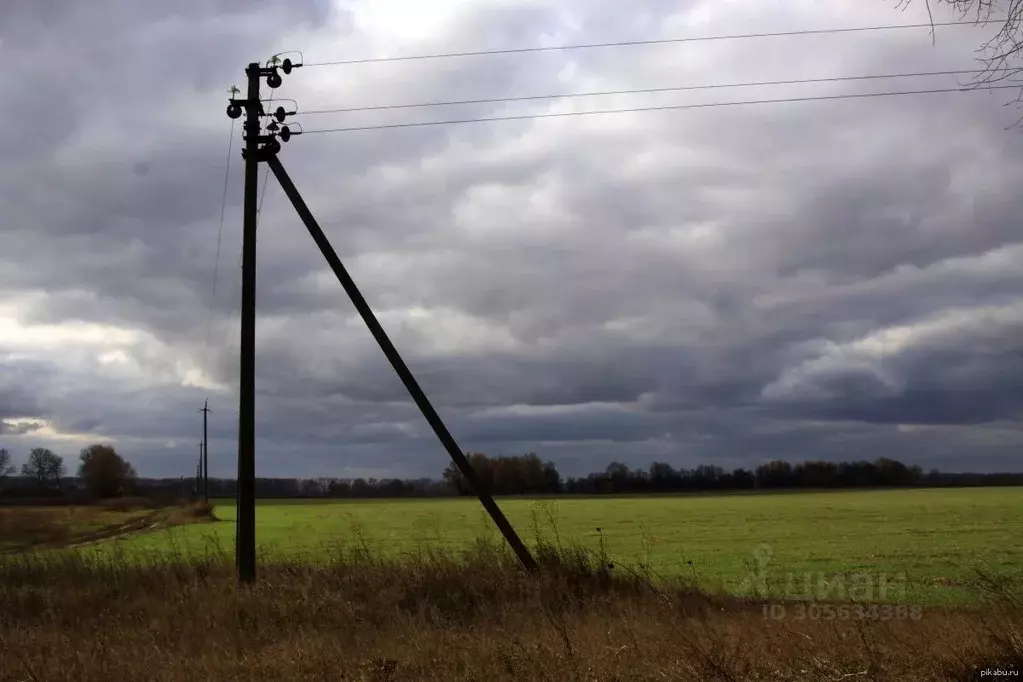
(245, 548)
(205, 453)
(246, 518)
(245, 536)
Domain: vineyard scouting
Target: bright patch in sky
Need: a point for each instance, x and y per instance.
(444, 331)
(405, 20)
(69, 335)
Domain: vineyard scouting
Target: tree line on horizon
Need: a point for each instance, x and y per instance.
(529, 475)
(103, 473)
(526, 474)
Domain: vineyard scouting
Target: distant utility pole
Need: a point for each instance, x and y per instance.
(264, 148)
(198, 473)
(205, 453)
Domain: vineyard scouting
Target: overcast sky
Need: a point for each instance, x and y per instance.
(829, 280)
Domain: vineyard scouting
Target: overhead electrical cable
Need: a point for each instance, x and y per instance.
(657, 41)
(669, 107)
(216, 262)
(640, 91)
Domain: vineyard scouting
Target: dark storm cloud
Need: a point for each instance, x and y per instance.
(77, 191)
(16, 398)
(968, 371)
(85, 398)
(685, 286)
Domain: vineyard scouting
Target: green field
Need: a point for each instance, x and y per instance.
(936, 539)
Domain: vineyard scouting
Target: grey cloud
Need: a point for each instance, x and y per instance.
(969, 374)
(674, 265)
(16, 398)
(20, 428)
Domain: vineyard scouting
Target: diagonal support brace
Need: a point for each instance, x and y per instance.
(460, 460)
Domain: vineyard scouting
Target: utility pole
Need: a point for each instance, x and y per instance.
(198, 473)
(205, 453)
(245, 536)
(246, 528)
(245, 547)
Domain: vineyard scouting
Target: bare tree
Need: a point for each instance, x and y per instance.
(1001, 54)
(45, 467)
(6, 468)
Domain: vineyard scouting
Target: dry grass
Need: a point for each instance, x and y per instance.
(26, 527)
(191, 512)
(432, 617)
(125, 504)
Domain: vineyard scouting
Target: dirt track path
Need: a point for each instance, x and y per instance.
(150, 521)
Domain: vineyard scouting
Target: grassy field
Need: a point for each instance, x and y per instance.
(370, 591)
(476, 618)
(799, 543)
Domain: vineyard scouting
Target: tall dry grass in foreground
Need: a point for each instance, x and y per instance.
(430, 617)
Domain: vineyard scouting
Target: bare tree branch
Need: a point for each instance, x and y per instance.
(1000, 54)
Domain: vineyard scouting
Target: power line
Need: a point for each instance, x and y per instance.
(232, 329)
(266, 175)
(216, 263)
(220, 233)
(679, 88)
(660, 41)
(262, 196)
(705, 105)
